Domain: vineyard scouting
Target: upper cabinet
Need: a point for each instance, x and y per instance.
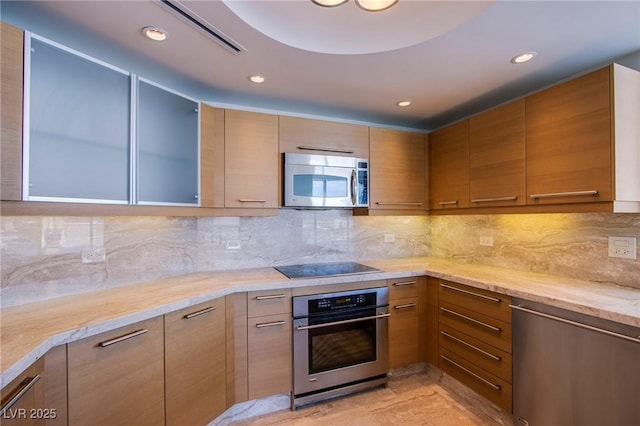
(398, 170)
(323, 137)
(449, 167)
(497, 157)
(582, 141)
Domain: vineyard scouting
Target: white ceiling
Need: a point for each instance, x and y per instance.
(451, 59)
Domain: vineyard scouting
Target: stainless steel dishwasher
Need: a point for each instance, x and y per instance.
(573, 369)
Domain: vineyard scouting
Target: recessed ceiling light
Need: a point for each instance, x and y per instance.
(329, 3)
(525, 57)
(375, 5)
(155, 33)
(257, 78)
(403, 103)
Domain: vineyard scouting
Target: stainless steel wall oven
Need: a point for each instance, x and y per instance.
(340, 343)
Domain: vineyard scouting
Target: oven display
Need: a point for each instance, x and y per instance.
(329, 304)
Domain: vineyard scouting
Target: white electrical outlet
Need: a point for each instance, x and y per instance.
(389, 238)
(486, 241)
(622, 247)
(93, 255)
(233, 245)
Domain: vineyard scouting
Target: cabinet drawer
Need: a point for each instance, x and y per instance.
(269, 302)
(403, 332)
(478, 300)
(488, 358)
(403, 288)
(484, 328)
(21, 396)
(491, 387)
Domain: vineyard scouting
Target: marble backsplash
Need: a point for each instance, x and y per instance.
(42, 256)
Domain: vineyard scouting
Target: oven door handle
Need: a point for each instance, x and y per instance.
(328, 324)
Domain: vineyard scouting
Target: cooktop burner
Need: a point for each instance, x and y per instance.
(312, 270)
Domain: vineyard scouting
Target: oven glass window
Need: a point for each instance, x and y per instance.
(342, 345)
(321, 186)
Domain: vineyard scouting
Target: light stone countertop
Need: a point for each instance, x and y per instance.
(28, 331)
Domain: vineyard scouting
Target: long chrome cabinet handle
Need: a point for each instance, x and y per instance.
(565, 194)
(251, 200)
(24, 388)
(471, 373)
(271, 296)
(403, 283)
(488, 200)
(448, 203)
(577, 324)
(398, 203)
(269, 324)
(200, 312)
(405, 306)
(328, 324)
(475, 321)
(470, 346)
(123, 338)
(471, 293)
(326, 149)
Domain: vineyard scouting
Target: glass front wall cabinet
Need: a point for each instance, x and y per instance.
(77, 127)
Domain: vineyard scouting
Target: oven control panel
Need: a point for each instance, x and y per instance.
(350, 301)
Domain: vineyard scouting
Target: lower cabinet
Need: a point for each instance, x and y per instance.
(195, 361)
(117, 377)
(405, 322)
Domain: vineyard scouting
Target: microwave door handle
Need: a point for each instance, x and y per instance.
(354, 176)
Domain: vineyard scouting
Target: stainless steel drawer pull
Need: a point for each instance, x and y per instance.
(398, 203)
(448, 203)
(25, 385)
(251, 200)
(475, 321)
(123, 338)
(329, 324)
(470, 346)
(403, 283)
(200, 312)
(405, 306)
(271, 296)
(577, 324)
(471, 293)
(326, 149)
(488, 200)
(269, 324)
(471, 373)
(593, 192)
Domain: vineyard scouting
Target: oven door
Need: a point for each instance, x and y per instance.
(319, 186)
(333, 350)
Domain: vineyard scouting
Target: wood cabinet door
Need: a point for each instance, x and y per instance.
(23, 397)
(251, 159)
(270, 355)
(403, 332)
(311, 136)
(117, 377)
(449, 167)
(497, 157)
(195, 361)
(397, 176)
(568, 142)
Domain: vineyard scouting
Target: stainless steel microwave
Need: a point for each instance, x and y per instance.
(325, 181)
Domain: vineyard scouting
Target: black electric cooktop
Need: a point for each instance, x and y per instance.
(313, 270)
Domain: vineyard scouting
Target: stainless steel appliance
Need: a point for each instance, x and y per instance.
(325, 181)
(312, 270)
(573, 369)
(340, 343)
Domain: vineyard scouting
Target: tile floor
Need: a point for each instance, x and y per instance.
(427, 398)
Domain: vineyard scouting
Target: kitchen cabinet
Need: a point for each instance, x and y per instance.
(430, 330)
(497, 157)
(475, 340)
(195, 364)
(167, 147)
(305, 135)
(270, 357)
(398, 177)
(405, 306)
(11, 112)
(236, 347)
(449, 167)
(582, 141)
(117, 377)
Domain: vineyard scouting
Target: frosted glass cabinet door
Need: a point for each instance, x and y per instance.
(79, 119)
(167, 147)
